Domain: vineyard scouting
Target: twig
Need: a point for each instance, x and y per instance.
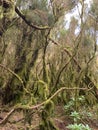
(4, 121)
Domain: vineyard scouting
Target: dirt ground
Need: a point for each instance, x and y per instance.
(16, 121)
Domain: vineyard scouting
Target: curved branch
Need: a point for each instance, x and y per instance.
(17, 76)
(4, 121)
(87, 79)
(12, 72)
(28, 22)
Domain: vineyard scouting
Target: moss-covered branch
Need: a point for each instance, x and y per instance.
(28, 22)
(4, 121)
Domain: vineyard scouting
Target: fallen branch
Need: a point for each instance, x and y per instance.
(4, 121)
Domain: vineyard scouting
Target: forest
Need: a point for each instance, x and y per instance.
(48, 65)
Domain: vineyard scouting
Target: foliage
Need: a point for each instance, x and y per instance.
(79, 127)
(75, 116)
(70, 106)
(76, 125)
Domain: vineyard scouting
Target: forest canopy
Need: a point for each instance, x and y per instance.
(47, 58)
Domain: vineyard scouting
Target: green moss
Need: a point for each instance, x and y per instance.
(1, 12)
(7, 12)
(40, 89)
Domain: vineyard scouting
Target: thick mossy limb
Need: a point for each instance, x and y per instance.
(49, 107)
(64, 97)
(41, 89)
(45, 73)
(27, 116)
(47, 123)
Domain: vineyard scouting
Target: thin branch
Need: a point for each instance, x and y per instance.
(4, 121)
(12, 72)
(87, 79)
(71, 58)
(28, 22)
(68, 53)
(17, 76)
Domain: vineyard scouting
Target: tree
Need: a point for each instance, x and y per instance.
(40, 58)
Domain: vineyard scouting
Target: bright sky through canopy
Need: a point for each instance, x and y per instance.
(75, 13)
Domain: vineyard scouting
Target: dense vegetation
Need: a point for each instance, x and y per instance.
(46, 61)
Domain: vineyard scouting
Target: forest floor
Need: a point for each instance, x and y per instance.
(16, 120)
